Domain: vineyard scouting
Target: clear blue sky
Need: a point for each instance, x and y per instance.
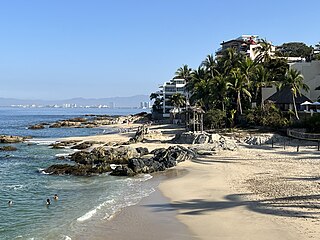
(104, 48)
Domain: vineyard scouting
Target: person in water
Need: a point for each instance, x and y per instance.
(48, 201)
(10, 202)
(55, 197)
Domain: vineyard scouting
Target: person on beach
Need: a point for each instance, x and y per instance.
(55, 197)
(48, 201)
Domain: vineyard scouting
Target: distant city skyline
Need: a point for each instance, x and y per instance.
(95, 49)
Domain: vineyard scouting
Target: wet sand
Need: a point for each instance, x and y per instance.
(143, 221)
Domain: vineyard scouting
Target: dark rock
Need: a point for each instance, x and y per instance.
(78, 119)
(157, 150)
(122, 171)
(138, 165)
(77, 170)
(101, 155)
(36, 127)
(142, 151)
(11, 139)
(83, 145)
(8, 148)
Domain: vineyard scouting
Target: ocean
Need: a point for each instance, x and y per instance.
(83, 201)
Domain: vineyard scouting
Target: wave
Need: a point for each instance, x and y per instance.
(42, 141)
(91, 213)
(41, 170)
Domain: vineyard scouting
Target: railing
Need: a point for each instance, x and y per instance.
(303, 135)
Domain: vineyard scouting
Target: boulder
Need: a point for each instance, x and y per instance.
(36, 127)
(77, 170)
(142, 151)
(101, 155)
(11, 139)
(83, 145)
(139, 136)
(8, 148)
(122, 171)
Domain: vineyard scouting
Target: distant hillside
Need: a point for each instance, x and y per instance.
(133, 101)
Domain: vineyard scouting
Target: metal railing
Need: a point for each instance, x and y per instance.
(303, 135)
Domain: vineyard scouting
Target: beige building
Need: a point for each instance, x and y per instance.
(311, 74)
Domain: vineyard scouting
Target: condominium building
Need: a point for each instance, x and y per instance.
(246, 44)
(167, 90)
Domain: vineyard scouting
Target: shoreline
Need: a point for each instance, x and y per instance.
(142, 221)
(241, 194)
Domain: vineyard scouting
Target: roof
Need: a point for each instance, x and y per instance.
(284, 96)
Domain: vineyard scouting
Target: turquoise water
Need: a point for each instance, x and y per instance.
(82, 200)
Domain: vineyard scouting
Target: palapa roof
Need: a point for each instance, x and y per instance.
(284, 96)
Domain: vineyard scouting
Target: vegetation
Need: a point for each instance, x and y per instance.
(229, 88)
(296, 49)
(313, 124)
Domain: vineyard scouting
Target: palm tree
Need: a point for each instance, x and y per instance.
(230, 59)
(294, 81)
(210, 64)
(240, 86)
(183, 72)
(264, 49)
(262, 78)
(154, 96)
(221, 87)
(177, 101)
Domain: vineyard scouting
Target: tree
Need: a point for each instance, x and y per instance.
(296, 49)
(294, 80)
(264, 50)
(210, 64)
(183, 72)
(154, 96)
(177, 101)
(240, 86)
(262, 78)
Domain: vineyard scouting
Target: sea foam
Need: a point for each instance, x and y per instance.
(91, 213)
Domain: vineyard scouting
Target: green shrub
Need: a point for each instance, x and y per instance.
(268, 116)
(214, 118)
(313, 124)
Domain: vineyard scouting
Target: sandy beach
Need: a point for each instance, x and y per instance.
(254, 192)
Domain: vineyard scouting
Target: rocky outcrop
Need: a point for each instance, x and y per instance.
(11, 139)
(65, 123)
(142, 151)
(77, 170)
(259, 139)
(128, 160)
(64, 144)
(36, 127)
(103, 156)
(83, 145)
(162, 160)
(8, 148)
(139, 136)
(216, 141)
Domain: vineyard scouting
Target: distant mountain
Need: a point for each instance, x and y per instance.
(133, 101)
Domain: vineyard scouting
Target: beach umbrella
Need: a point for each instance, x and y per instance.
(316, 104)
(305, 103)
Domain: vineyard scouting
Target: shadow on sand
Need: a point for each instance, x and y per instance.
(277, 206)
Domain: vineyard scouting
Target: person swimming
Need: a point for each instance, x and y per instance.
(10, 202)
(55, 197)
(48, 201)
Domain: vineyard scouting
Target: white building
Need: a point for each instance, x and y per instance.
(246, 44)
(167, 90)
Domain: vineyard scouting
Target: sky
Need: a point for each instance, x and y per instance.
(105, 48)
